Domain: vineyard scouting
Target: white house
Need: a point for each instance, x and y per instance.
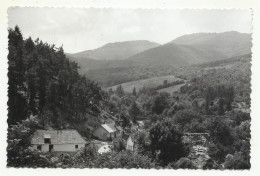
(130, 144)
(106, 132)
(57, 140)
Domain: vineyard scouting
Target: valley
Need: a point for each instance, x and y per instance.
(136, 104)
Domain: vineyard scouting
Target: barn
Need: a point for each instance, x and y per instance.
(57, 140)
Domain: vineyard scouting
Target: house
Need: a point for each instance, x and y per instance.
(57, 140)
(130, 144)
(106, 131)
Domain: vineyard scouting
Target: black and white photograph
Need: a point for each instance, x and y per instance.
(129, 88)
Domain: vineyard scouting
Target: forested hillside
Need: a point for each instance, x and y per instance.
(159, 61)
(43, 82)
(229, 44)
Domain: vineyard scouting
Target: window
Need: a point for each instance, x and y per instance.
(76, 146)
(39, 147)
(47, 140)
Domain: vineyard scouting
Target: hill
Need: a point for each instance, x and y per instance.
(116, 51)
(168, 58)
(229, 44)
(197, 48)
(173, 54)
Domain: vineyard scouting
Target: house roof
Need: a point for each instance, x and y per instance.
(109, 127)
(58, 137)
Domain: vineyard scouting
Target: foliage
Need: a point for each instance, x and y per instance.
(119, 144)
(236, 162)
(19, 153)
(166, 142)
(189, 121)
(220, 132)
(182, 163)
(134, 112)
(119, 91)
(43, 82)
(160, 102)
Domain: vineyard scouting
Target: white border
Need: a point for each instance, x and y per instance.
(172, 4)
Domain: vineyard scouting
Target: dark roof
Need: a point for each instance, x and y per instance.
(58, 137)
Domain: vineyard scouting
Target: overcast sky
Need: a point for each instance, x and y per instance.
(83, 29)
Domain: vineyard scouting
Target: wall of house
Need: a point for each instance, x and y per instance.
(60, 147)
(129, 144)
(101, 133)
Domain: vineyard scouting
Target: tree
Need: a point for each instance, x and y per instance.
(221, 110)
(230, 97)
(16, 90)
(41, 78)
(124, 120)
(134, 112)
(164, 138)
(209, 96)
(120, 91)
(187, 120)
(220, 132)
(19, 153)
(134, 92)
(110, 92)
(160, 102)
(143, 143)
(236, 162)
(165, 82)
(119, 144)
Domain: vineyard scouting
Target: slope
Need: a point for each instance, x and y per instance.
(196, 48)
(229, 44)
(147, 83)
(116, 51)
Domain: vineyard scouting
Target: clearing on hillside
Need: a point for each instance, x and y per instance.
(148, 83)
(172, 89)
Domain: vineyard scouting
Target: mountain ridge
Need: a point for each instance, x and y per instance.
(117, 50)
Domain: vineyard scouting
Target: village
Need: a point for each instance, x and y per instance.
(70, 141)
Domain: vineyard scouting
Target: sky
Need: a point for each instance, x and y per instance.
(85, 29)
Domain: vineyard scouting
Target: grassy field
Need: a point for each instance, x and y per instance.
(171, 89)
(148, 83)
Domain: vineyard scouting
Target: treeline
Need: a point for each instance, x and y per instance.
(242, 58)
(43, 82)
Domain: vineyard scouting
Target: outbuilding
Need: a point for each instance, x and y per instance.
(106, 132)
(130, 144)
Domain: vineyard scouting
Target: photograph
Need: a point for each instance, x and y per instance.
(129, 88)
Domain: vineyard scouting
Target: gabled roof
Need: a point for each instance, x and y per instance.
(109, 127)
(58, 137)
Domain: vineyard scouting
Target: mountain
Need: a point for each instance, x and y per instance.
(168, 58)
(116, 51)
(196, 48)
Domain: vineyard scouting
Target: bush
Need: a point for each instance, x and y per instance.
(183, 163)
(236, 162)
